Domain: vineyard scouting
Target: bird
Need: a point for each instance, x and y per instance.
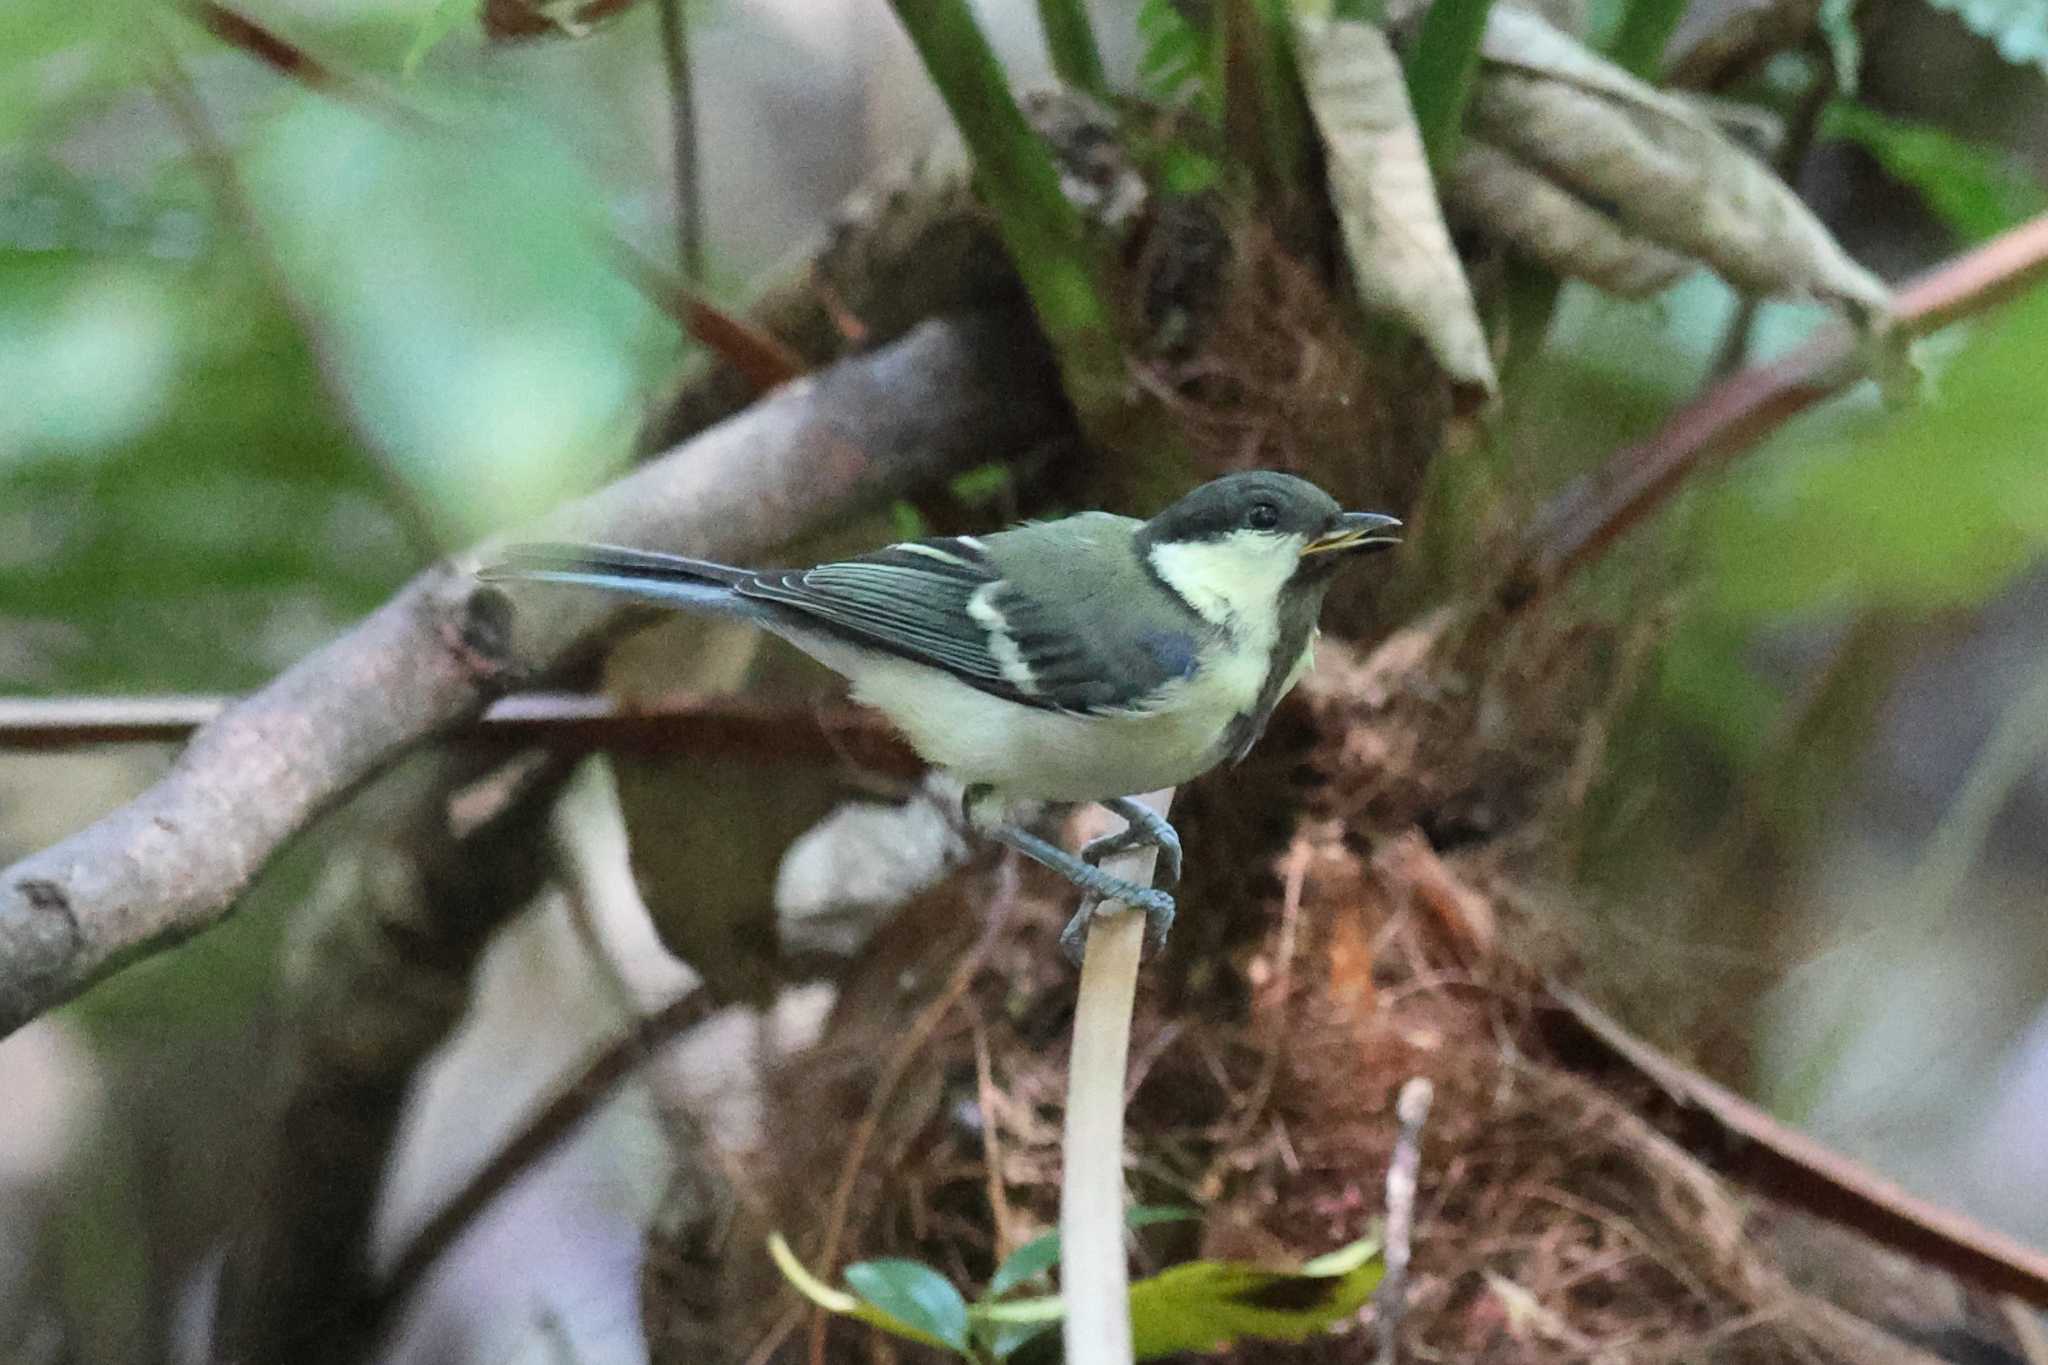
(1083, 659)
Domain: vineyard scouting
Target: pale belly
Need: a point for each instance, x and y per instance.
(1054, 756)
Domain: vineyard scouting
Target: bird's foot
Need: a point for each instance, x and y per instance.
(1143, 828)
(1098, 885)
(1154, 904)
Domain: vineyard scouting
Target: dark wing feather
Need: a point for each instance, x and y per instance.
(945, 603)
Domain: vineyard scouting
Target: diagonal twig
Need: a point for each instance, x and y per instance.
(1755, 1149)
(1578, 525)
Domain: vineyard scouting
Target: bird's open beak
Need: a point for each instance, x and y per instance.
(1354, 531)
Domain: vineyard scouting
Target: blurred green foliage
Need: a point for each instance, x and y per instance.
(215, 448)
(1976, 191)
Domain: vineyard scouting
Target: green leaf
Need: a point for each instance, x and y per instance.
(2017, 28)
(914, 1294)
(1977, 191)
(1174, 55)
(1065, 271)
(1182, 170)
(1041, 1254)
(1644, 32)
(1206, 1305)
(846, 1305)
(1440, 68)
(1034, 1258)
(1070, 39)
(442, 20)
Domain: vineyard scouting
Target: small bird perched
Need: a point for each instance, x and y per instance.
(1083, 659)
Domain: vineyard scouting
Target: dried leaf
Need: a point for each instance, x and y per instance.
(1401, 256)
(1489, 188)
(1660, 165)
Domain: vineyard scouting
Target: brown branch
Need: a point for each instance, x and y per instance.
(1735, 415)
(1747, 1144)
(718, 726)
(172, 862)
(754, 353)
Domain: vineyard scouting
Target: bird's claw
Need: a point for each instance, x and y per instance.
(1156, 905)
(1163, 838)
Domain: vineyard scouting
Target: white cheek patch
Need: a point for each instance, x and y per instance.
(1232, 579)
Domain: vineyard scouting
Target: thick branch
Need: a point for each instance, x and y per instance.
(174, 860)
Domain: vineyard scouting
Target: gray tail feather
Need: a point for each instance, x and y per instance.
(671, 580)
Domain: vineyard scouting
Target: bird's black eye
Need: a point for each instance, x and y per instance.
(1263, 516)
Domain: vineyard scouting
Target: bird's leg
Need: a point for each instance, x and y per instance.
(1098, 886)
(1143, 828)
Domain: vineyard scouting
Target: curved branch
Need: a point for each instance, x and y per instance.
(173, 861)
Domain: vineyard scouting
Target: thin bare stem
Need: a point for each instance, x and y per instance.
(574, 1100)
(1094, 1277)
(1411, 1110)
(1758, 1151)
(682, 115)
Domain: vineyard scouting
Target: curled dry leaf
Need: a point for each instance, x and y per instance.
(1657, 165)
(1490, 189)
(1402, 260)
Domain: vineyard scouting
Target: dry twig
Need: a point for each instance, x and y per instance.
(1412, 1111)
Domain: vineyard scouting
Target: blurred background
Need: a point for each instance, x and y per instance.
(265, 352)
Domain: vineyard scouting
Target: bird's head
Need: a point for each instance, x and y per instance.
(1261, 527)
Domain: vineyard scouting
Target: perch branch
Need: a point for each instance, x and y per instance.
(1733, 416)
(173, 861)
(1094, 1277)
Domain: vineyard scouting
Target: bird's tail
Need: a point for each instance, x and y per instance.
(666, 580)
